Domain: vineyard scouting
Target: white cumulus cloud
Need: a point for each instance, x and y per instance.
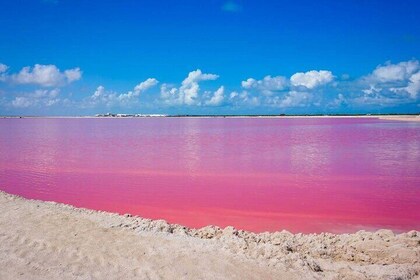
(217, 97)
(296, 99)
(188, 92)
(110, 98)
(312, 79)
(413, 88)
(190, 87)
(138, 89)
(39, 97)
(46, 75)
(244, 98)
(99, 93)
(393, 82)
(169, 93)
(143, 86)
(3, 69)
(292, 99)
(21, 102)
(268, 85)
(394, 72)
(73, 74)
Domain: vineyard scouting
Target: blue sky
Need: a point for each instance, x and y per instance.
(62, 57)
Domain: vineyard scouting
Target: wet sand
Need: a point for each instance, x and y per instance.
(47, 240)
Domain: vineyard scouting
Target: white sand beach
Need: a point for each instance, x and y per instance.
(408, 118)
(46, 240)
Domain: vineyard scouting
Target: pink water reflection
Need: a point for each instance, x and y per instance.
(304, 175)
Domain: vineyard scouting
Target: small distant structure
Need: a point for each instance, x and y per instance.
(120, 115)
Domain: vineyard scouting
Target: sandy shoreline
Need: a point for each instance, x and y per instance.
(412, 118)
(409, 118)
(46, 240)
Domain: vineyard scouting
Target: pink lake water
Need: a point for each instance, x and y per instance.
(260, 174)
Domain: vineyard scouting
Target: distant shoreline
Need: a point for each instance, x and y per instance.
(396, 117)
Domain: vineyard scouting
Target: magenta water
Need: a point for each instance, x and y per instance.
(259, 174)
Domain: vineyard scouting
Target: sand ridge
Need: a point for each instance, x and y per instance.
(47, 240)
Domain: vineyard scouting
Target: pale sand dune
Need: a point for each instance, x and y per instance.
(40, 240)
